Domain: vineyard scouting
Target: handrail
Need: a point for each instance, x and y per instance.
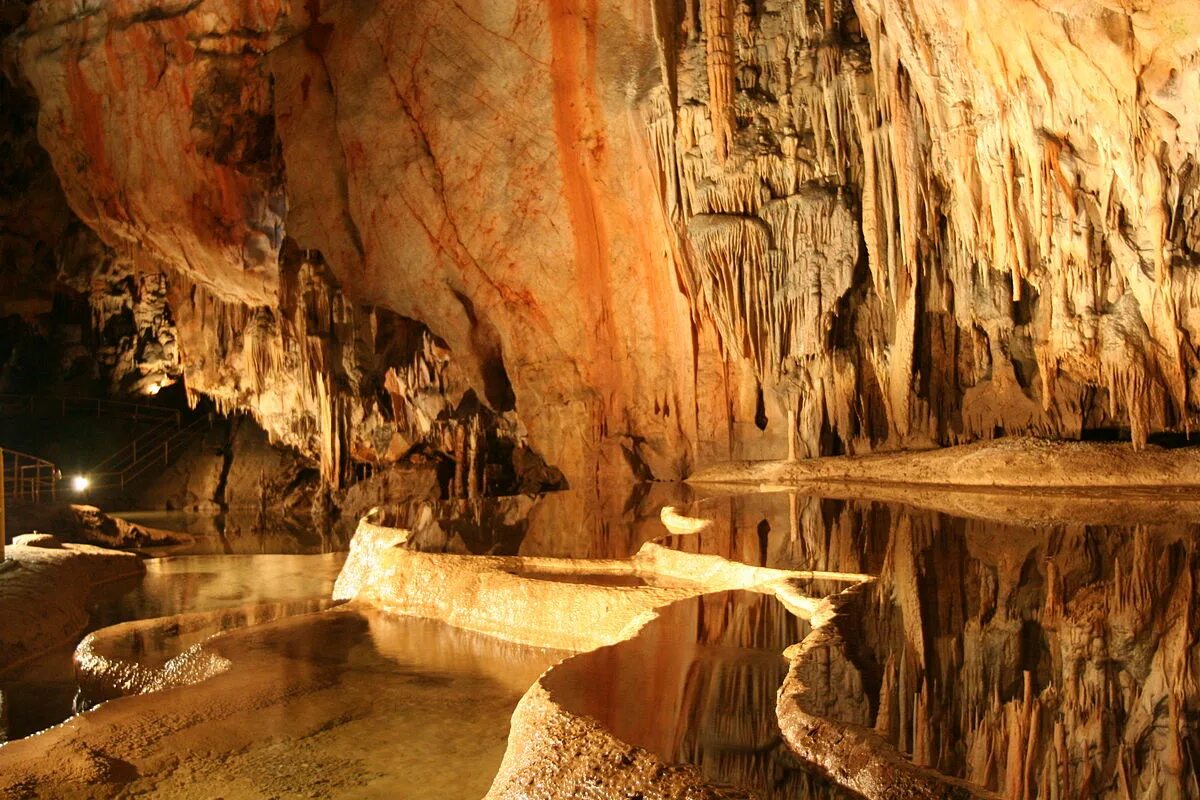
(29, 476)
(49, 403)
(150, 448)
(10, 452)
(151, 456)
(173, 443)
(115, 461)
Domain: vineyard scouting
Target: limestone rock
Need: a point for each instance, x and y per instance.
(646, 235)
(36, 539)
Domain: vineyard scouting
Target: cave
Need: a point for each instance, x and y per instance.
(609, 399)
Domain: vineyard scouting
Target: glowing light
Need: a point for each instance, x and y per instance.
(679, 524)
(156, 386)
(80, 483)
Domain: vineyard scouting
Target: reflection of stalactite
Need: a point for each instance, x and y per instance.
(1043, 705)
(468, 448)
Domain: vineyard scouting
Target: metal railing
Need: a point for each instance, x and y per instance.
(154, 449)
(127, 457)
(27, 477)
(46, 405)
(166, 435)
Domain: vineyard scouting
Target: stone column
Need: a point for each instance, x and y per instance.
(791, 430)
(3, 519)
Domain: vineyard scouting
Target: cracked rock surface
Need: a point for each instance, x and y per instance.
(640, 236)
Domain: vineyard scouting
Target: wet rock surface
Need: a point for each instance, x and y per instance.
(906, 653)
(45, 593)
(710, 230)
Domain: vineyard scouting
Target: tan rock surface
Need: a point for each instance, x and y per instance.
(1015, 462)
(648, 235)
(45, 594)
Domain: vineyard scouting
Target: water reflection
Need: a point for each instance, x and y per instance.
(238, 530)
(697, 686)
(1036, 660)
(1041, 647)
(567, 524)
(42, 692)
(184, 584)
(346, 703)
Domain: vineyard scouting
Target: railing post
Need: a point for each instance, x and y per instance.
(3, 527)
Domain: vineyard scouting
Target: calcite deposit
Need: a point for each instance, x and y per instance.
(823, 646)
(497, 247)
(47, 589)
(634, 237)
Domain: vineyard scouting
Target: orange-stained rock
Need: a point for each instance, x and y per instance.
(648, 235)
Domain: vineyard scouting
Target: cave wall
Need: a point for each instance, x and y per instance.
(637, 236)
(75, 316)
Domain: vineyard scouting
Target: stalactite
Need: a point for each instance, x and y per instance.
(308, 371)
(718, 38)
(994, 221)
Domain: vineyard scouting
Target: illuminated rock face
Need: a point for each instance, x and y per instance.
(647, 235)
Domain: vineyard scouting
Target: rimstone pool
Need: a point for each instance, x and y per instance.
(784, 645)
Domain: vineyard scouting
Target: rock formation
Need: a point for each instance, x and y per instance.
(635, 237)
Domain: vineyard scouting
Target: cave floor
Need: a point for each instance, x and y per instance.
(830, 640)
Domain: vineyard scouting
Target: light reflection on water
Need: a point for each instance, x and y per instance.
(236, 531)
(1099, 616)
(42, 692)
(1037, 646)
(351, 703)
(712, 666)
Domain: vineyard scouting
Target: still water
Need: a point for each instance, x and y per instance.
(713, 665)
(42, 692)
(1036, 646)
(344, 703)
